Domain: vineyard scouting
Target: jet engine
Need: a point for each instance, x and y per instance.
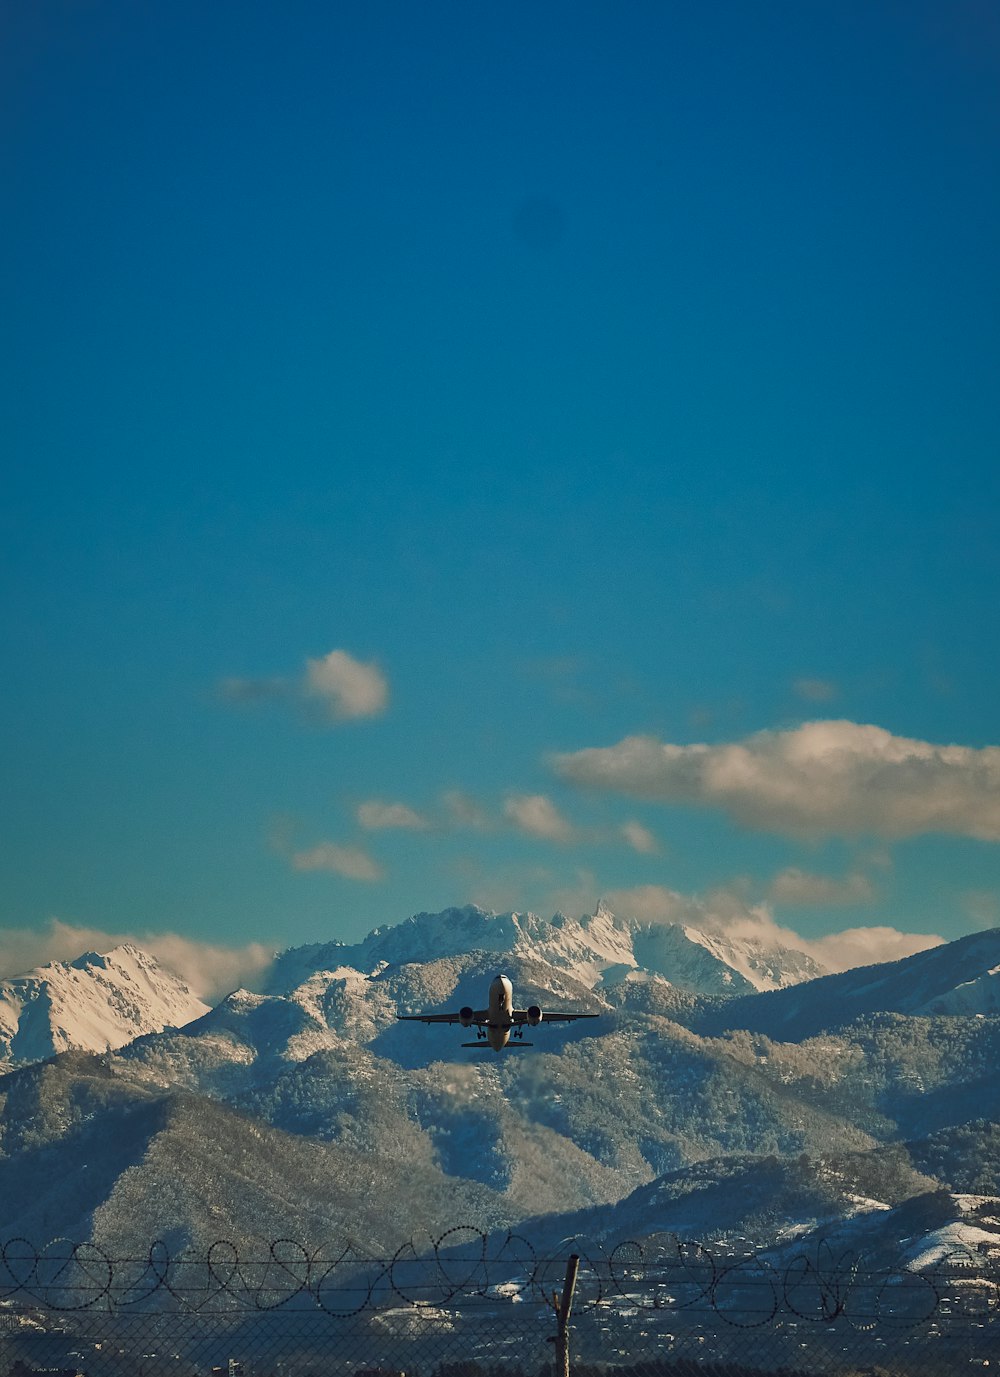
(465, 1015)
(534, 1015)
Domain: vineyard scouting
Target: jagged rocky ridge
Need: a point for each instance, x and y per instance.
(598, 949)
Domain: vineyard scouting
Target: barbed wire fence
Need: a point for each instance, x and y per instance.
(474, 1304)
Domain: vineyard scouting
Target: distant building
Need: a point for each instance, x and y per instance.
(19, 1368)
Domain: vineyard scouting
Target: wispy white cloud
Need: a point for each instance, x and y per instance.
(729, 913)
(575, 897)
(375, 816)
(824, 777)
(723, 909)
(502, 887)
(564, 676)
(463, 811)
(537, 816)
(815, 690)
(639, 838)
(336, 686)
(353, 862)
(799, 887)
(236, 690)
(210, 969)
(983, 907)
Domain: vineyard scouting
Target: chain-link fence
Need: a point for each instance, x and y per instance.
(469, 1304)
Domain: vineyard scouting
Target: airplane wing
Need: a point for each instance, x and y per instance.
(478, 1016)
(521, 1016)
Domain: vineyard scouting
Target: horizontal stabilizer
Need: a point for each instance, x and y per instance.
(483, 1043)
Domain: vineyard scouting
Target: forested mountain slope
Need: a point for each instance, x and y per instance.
(313, 1110)
(960, 977)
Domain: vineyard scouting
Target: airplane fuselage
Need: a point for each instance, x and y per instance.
(501, 1019)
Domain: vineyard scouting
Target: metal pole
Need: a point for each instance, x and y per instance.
(563, 1313)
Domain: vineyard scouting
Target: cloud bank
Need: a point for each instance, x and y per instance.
(799, 887)
(210, 969)
(729, 914)
(822, 778)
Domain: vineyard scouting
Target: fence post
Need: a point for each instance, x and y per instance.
(563, 1305)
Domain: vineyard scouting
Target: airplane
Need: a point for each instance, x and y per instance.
(499, 1026)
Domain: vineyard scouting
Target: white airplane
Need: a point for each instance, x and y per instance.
(497, 1025)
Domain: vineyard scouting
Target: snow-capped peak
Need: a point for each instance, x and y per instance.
(95, 1002)
(598, 947)
(713, 963)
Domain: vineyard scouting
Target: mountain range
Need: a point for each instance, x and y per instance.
(726, 1089)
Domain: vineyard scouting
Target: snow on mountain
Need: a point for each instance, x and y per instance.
(596, 949)
(709, 963)
(93, 1004)
(326, 1009)
(587, 946)
(936, 1229)
(739, 1194)
(964, 1240)
(321, 994)
(960, 977)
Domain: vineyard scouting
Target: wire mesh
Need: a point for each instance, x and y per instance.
(471, 1304)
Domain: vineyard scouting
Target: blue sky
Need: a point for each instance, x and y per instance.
(571, 373)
